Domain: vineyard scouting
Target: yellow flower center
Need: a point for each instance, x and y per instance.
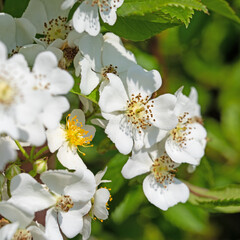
(22, 234)
(76, 135)
(164, 170)
(7, 93)
(56, 28)
(64, 203)
(139, 112)
(182, 130)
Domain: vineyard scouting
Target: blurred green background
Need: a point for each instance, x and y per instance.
(206, 55)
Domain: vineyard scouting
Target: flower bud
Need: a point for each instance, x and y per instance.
(40, 165)
(12, 171)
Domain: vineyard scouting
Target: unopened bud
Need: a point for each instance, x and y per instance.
(40, 165)
(12, 171)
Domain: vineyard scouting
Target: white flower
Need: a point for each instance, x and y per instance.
(99, 205)
(66, 194)
(187, 141)
(7, 152)
(15, 32)
(86, 17)
(20, 103)
(102, 55)
(160, 187)
(68, 139)
(135, 118)
(48, 19)
(21, 226)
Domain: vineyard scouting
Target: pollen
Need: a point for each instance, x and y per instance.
(64, 203)
(22, 234)
(7, 92)
(76, 135)
(182, 130)
(56, 28)
(139, 112)
(104, 5)
(108, 69)
(164, 170)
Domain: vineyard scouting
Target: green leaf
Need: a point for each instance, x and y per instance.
(93, 96)
(15, 7)
(223, 8)
(129, 205)
(225, 199)
(139, 20)
(114, 171)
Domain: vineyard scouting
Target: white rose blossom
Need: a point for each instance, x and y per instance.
(21, 225)
(66, 194)
(99, 203)
(186, 142)
(102, 55)
(135, 119)
(160, 187)
(86, 17)
(68, 139)
(19, 106)
(52, 81)
(15, 32)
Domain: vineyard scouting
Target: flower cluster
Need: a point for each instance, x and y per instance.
(39, 55)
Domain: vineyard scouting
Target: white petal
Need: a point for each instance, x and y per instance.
(61, 82)
(99, 122)
(88, 73)
(115, 53)
(52, 229)
(31, 51)
(55, 138)
(35, 197)
(86, 19)
(164, 198)
(69, 158)
(68, 4)
(197, 131)
(52, 113)
(25, 32)
(86, 230)
(100, 199)
(142, 81)
(71, 222)
(7, 232)
(36, 14)
(8, 154)
(154, 135)
(45, 62)
(79, 115)
(57, 180)
(138, 164)
(163, 111)
(113, 96)
(119, 134)
(99, 176)
(108, 14)
(179, 154)
(8, 27)
(84, 189)
(13, 214)
(3, 52)
(37, 233)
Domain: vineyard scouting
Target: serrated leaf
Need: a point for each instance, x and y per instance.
(139, 20)
(223, 8)
(225, 200)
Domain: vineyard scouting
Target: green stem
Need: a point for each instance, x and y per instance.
(1, 5)
(8, 188)
(32, 153)
(22, 149)
(40, 152)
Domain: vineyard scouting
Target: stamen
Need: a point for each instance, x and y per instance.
(22, 234)
(64, 203)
